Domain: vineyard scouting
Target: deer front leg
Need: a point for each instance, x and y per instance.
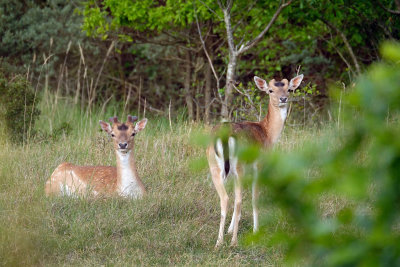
(255, 198)
(255, 208)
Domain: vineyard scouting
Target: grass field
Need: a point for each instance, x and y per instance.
(176, 223)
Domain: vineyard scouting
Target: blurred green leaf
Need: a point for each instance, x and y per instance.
(354, 183)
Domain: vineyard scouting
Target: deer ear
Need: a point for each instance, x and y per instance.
(106, 127)
(295, 82)
(140, 125)
(261, 84)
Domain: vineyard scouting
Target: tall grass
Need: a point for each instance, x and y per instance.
(175, 224)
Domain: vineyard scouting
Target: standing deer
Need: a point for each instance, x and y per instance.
(123, 180)
(222, 157)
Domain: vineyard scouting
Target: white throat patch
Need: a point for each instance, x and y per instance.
(129, 185)
(283, 111)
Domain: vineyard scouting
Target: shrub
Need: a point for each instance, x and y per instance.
(362, 170)
(17, 99)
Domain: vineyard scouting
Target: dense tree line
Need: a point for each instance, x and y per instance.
(196, 55)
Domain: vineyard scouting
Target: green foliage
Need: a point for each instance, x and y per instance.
(61, 131)
(301, 37)
(362, 170)
(18, 110)
(64, 129)
(249, 102)
(112, 15)
(298, 37)
(154, 35)
(32, 30)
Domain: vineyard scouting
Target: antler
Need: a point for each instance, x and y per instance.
(132, 119)
(114, 119)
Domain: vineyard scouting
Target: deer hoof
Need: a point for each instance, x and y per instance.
(234, 243)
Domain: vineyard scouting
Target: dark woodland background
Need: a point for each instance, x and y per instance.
(151, 53)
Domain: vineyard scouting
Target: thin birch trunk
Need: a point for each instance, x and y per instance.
(207, 94)
(188, 95)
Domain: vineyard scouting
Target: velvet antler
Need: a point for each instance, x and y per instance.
(114, 119)
(132, 119)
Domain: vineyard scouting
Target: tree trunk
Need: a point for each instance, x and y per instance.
(196, 97)
(121, 76)
(188, 95)
(230, 79)
(198, 109)
(234, 52)
(207, 94)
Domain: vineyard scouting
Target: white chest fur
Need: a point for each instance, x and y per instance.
(275, 135)
(129, 185)
(283, 112)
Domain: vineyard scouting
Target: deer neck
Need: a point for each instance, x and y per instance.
(274, 121)
(128, 181)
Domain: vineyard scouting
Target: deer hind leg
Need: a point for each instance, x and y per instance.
(65, 182)
(54, 183)
(231, 225)
(255, 198)
(234, 226)
(217, 169)
(223, 196)
(236, 212)
(234, 171)
(52, 187)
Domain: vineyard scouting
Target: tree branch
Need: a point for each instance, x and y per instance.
(242, 17)
(346, 43)
(340, 54)
(228, 26)
(256, 40)
(396, 12)
(220, 4)
(211, 10)
(205, 49)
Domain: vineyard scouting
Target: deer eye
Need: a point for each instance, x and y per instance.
(112, 135)
(270, 91)
(133, 134)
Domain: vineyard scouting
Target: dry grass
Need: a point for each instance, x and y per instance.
(175, 224)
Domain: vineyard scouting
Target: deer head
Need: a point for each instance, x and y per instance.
(123, 134)
(278, 90)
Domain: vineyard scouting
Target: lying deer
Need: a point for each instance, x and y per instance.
(222, 157)
(123, 180)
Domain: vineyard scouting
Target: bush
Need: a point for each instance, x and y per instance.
(361, 171)
(17, 99)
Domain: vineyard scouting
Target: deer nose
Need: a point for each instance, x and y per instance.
(283, 99)
(123, 145)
